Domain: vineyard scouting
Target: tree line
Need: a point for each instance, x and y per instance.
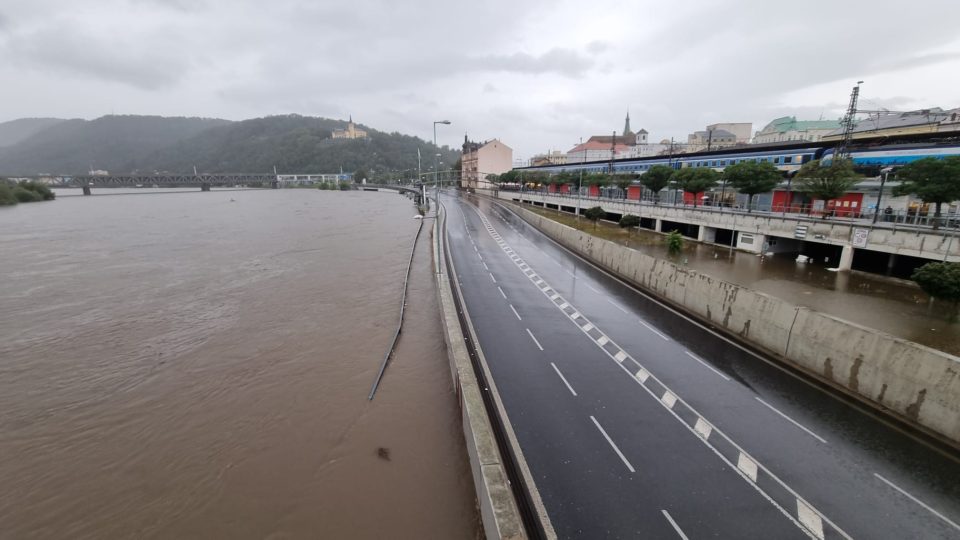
(934, 181)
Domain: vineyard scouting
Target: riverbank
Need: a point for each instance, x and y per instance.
(24, 192)
(900, 309)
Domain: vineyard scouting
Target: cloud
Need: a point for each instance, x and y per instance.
(562, 61)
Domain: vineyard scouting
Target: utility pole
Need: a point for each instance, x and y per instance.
(709, 139)
(613, 150)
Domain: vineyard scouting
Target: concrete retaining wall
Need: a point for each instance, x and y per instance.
(914, 382)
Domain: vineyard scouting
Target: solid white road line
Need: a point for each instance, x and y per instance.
(794, 422)
(655, 331)
(706, 365)
(564, 379)
(515, 312)
(615, 449)
(618, 306)
(918, 501)
(534, 339)
(503, 294)
(674, 524)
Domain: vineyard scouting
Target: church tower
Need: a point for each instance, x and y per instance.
(627, 133)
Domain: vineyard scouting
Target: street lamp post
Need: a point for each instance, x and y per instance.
(583, 159)
(436, 169)
(883, 180)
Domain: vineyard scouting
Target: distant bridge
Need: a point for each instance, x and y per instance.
(203, 181)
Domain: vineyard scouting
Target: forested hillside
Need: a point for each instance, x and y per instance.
(17, 130)
(113, 143)
(292, 143)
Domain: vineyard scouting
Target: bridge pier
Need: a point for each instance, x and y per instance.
(275, 185)
(86, 190)
(204, 187)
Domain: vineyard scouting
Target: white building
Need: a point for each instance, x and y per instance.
(481, 159)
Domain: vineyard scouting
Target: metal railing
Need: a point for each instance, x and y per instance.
(902, 218)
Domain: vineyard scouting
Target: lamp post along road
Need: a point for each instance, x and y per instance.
(883, 180)
(436, 167)
(583, 160)
(436, 180)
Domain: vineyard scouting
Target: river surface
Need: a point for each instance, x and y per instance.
(196, 365)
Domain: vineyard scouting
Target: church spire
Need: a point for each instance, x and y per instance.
(626, 125)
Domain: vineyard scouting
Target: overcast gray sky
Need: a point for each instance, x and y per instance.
(535, 74)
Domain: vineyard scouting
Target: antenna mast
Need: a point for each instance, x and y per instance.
(842, 149)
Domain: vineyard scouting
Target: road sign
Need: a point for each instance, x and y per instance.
(860, 237)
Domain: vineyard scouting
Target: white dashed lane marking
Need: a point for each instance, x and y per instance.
(774, 490)
(674, 525)
(503, 294)
(792, 421)
(613, 445)
(918, 501)
(564, 379)
(654, 330)
(514, 310)
(534, 339)
(706, 365)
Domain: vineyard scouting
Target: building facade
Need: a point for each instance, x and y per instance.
(788, 128)
(350, 132)
(553, 157)
(481, 159)
(742, 131)
(710, 139)
(890, 124)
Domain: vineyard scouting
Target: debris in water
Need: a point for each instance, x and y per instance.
(383, 453)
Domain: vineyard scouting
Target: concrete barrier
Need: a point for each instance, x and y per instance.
(498, 509)
(912, 382)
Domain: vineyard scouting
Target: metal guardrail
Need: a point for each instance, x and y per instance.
(895, 220)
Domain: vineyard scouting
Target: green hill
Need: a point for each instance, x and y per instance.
(113, 143)
(295, 144)
(15, 131)
(292, 143)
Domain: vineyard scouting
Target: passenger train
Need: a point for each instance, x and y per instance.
(787, 158)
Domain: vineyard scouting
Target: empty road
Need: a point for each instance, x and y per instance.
(636, 422)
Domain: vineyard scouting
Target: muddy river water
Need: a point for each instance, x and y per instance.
(196, 365)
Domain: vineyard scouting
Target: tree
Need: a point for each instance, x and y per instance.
(596, 179)
(695, 180)
(827, 182)
(623, 181)
(492, 178)
(674, 241)
(940, 280)
(655, 179)
(933, 180)
(629, 221)
(359, 175)
(594, 214)
(751, 178)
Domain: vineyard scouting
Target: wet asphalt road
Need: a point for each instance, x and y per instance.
(635, 422)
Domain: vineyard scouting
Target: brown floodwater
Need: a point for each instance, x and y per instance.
(898, 308)
(196, 365)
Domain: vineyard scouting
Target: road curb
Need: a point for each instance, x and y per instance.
(499, 510)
